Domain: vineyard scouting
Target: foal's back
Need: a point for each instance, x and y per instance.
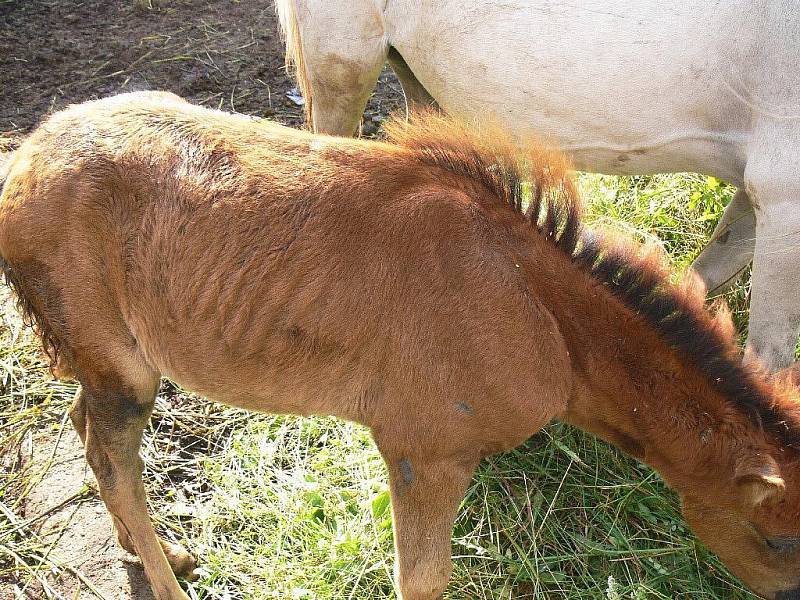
(276, 270)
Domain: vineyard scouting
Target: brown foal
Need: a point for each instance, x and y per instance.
(438, 288)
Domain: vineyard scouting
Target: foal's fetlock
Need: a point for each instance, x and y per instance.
(162, 593)
(183, 564)
(125, 541)
(123, 537)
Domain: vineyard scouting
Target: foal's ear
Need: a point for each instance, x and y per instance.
(758, 478)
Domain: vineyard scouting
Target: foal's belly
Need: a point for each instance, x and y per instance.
(266, 381)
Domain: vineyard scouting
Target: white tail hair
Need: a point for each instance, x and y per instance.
(295, 62)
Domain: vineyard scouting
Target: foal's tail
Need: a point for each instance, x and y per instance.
(33, 318)
(295, 60)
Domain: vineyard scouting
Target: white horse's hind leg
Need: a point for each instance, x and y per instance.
(774, 187)
(731, 247)
(343, 55)
(340, 91)
(417, 97)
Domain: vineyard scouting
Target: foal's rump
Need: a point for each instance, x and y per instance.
(130, 228)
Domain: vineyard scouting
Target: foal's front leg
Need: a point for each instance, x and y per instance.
(426, 493)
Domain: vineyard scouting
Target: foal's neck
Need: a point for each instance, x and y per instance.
(633, 390)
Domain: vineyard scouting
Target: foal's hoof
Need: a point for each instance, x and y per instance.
(183, 564)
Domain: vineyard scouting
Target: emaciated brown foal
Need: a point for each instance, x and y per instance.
(438, 288)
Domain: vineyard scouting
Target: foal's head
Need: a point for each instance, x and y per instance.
(734, 454)
(750, 515)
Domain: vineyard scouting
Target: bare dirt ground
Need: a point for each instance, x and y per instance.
(225, 54)
(221, 53)
(75, 525)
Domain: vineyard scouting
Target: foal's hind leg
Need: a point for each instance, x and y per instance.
(112, 414)
(182, 563)
(426, 493)
(77, 415)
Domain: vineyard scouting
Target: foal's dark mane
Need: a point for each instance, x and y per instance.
(537, 185)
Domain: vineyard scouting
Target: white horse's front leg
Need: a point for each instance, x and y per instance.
(731, 247)
(774, 186)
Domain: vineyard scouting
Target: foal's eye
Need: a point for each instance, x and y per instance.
(786, 544)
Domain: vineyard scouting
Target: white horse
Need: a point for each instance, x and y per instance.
(626, 87)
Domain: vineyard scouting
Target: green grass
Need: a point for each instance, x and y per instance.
(282, 507)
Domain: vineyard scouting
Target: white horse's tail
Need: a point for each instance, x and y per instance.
(295, 62)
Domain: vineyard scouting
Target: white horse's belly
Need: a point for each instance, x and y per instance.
(669, 141)
(625, 87)
(699, 152)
